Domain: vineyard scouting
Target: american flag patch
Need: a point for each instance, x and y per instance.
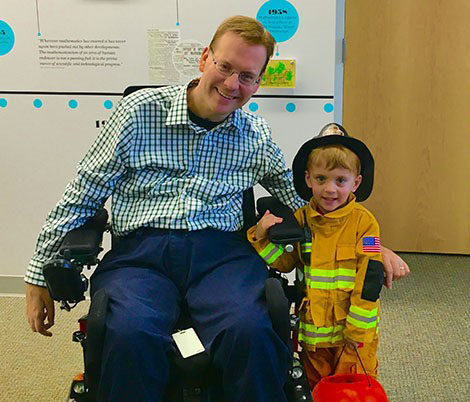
(371, 244)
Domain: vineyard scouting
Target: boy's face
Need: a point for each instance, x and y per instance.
(331, 188)
(217, 95)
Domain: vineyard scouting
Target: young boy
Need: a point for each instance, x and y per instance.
(341, 255)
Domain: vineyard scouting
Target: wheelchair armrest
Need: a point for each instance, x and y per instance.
(64, 281)
(287, 232)
(83, 244)
(80, 246)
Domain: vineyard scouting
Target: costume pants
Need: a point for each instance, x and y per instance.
(321, 362)
(147, 276)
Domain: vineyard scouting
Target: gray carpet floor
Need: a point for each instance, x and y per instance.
(425, 331)
(424, 349)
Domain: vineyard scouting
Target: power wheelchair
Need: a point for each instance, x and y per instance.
(192, 379)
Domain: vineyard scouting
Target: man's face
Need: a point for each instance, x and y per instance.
(331, 188)
(217, 95)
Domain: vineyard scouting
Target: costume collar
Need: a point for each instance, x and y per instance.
(337, 213)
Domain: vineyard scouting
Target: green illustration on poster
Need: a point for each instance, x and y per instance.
(280, 74)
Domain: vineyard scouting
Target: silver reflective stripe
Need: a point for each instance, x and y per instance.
(330, 279)
(271, 254)
(312, 335)
(361, 318)
(318, 335)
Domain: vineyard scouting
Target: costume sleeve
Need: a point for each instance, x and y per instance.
(97, 174)
(274, 254)
(363, 317)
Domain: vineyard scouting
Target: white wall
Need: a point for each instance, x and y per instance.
(41, 146)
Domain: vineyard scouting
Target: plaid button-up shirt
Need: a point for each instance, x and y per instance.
(164, 171)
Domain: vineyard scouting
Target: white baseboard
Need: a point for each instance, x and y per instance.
(12, 285)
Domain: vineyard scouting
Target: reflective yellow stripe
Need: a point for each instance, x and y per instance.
(362, 318)
(312, 335)
(329, 286)
(331, 272)
(271, 252)
(363, 312)
(360, 324)
(341, 278)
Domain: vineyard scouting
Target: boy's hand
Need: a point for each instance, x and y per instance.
(265, 223)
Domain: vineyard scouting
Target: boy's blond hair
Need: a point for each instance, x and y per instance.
(334, 156)
(250, 30)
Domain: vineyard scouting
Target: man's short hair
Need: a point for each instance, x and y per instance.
(250, 30)
(334, 156)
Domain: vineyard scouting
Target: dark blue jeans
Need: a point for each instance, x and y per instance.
(220, 276)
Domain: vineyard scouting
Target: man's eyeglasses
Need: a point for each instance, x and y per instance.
(226, 69)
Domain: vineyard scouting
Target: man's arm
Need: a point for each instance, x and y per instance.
(97, 174)
(394, 266)
(279, 181)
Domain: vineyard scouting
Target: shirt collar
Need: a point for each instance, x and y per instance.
(178, 113)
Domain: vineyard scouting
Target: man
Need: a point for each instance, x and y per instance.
(176, 161)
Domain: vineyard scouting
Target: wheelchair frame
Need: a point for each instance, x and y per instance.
(67, 284)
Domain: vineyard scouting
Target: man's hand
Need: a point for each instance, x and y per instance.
(395, 267)
(39, 306)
